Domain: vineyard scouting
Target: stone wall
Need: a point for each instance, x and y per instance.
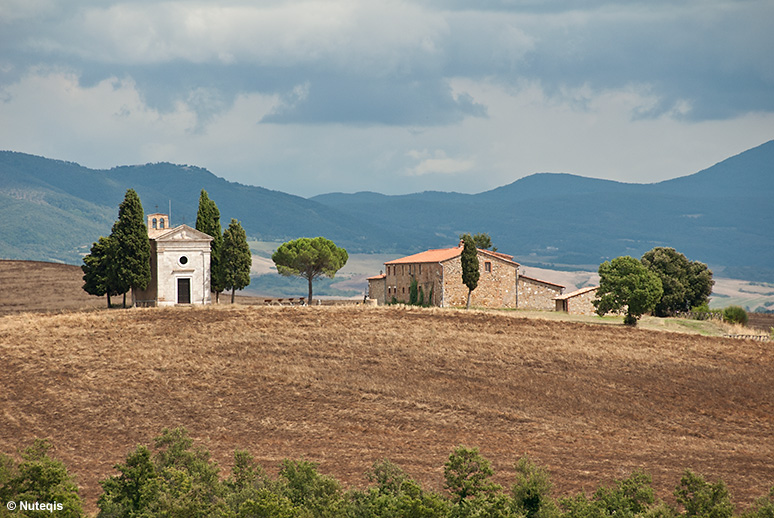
(377, 289)
(428, 276)
(537, 295)
(496, 288)
(581, 304)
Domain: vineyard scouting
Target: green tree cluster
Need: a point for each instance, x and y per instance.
(38, 478)
(625, 284)
(121, 261)
(686, 284)
(230, 257)
(175, 478)
(309, 258)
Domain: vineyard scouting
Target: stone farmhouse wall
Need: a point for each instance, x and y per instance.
(443, 281)
(429, 280)
(377, 289)
(496, 284)
(537, 295)
(580, 304)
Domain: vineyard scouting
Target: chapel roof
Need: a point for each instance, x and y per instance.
(181, 232)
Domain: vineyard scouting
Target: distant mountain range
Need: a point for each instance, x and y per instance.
(723, 216)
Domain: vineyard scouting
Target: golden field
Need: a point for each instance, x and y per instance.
(347, 385)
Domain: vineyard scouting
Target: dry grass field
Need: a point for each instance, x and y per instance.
(347, 385)
(40, 286)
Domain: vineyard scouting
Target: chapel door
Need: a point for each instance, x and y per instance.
(184, 291)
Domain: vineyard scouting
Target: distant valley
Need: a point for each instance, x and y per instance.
(723, 216)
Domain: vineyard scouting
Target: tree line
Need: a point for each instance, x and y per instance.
(174, 478)
(664, 282)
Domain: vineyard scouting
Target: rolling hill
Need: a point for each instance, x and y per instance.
(591, 403)
(54, 210)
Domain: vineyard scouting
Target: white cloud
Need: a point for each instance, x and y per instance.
(437, 163)
(394, 96)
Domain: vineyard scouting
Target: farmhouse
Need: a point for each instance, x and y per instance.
(438, 274)
(180, 265)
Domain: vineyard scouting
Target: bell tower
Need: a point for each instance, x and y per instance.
(157, 222)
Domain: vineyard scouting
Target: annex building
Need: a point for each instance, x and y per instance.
(180, 265)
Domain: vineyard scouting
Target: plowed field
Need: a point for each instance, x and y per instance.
(345, 386)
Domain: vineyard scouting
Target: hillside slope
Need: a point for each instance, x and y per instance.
(722, 216)
(345, 386)
(55, 210)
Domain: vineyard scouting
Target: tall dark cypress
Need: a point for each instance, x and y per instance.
(470, 266)
(236, 258)
(208, 221)
(132, 252)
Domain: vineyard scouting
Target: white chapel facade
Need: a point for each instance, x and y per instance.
(180, 265)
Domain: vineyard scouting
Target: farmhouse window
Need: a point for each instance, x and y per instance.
(487, 266)
(420, 269)
(154, 223)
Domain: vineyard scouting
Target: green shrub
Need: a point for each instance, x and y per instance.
(467, 474)
(763, 508)
(305, 487)
(39, 478)
(700, 499)
(735, 315)
(176, 480)
(532, 490)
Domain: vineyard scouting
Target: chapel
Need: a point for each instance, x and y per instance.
(180, 265)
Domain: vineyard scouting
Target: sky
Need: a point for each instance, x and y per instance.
(311, 97)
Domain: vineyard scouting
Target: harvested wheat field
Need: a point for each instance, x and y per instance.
(45, 287)
(345, 386)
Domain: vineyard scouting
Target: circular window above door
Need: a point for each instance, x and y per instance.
(183, 260)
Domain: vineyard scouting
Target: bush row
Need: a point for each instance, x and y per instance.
(176, 479)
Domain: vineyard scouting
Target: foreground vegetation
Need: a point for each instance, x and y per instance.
(174, 478)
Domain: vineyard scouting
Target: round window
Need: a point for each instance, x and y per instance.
(183, 260)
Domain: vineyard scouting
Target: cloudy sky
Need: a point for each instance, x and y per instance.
(392, 96)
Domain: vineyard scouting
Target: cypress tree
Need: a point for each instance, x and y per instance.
(132, 257)
(470, 266)
(208, 221)
(235, 258)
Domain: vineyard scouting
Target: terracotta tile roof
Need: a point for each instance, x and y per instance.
(444, 254)
(541, 281)
(576, 293)
(430, 256)
(376, 277)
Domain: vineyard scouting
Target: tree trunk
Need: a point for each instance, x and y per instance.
(469, 292)
(233, 290)
(309, 300)
(124, 300)
(108, 297)
(217, 297)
